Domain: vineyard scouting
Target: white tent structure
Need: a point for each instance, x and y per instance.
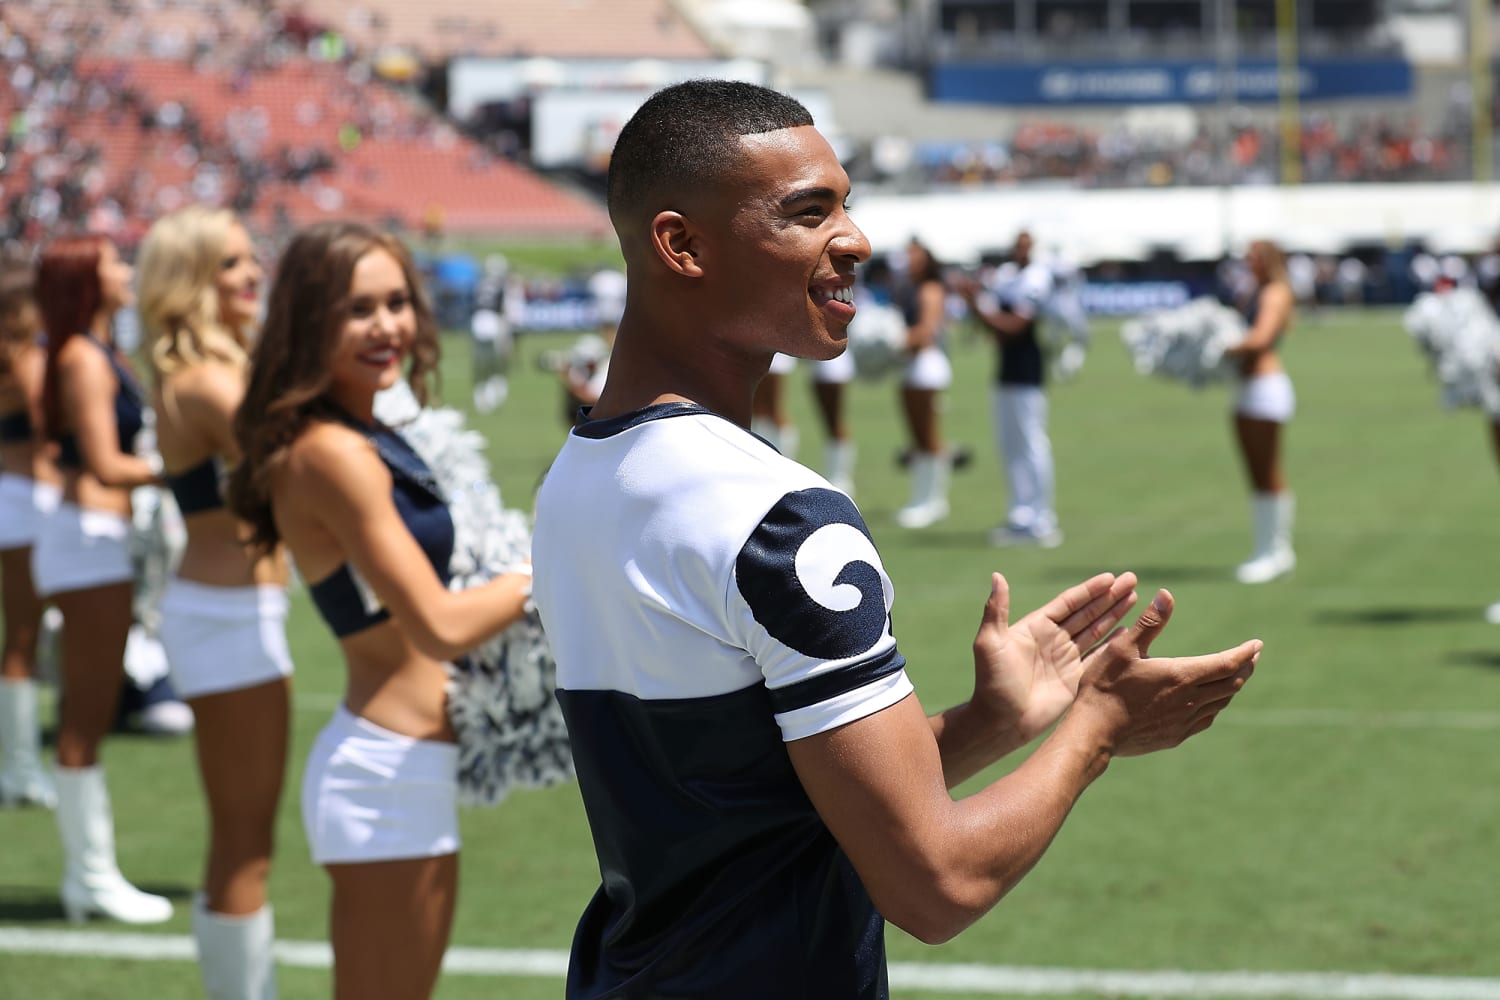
(1193, 223)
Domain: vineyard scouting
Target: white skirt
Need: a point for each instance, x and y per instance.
(836, 371)
(223, 638)
(1267, 397)
(373, 795)
(78, 548)
(782, 364)
(929, 368)
(24, 504)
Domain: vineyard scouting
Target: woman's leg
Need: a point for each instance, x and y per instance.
(96, 623)
(390, 926)
(22, 610)
(23, 778)
(242, 748)
(1260, 448)
(921, 409)
(830, 399)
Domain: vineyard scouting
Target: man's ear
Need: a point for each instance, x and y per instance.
(678, 243)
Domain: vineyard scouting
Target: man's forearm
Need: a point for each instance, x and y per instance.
(970, 740)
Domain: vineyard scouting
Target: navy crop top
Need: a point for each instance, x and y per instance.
(15, 427)
(197, 489)
(130, 412)
(343, 598)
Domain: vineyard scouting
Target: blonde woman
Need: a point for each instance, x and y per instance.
(1264, 405)
(93, 408)
(28, 492)
(224, 612)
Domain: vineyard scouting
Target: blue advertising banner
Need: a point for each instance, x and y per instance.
(1195, 82)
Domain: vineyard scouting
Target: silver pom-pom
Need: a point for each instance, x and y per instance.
(877, 338)
(501, 699)
(1186, 344)
(1460, 334)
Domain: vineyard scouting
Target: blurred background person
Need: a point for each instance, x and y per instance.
(28, 492)
(1022, 289)
(93, 409)
(1263, 406)
(923, 299)
(224, 611)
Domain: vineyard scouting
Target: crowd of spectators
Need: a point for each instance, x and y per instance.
(1364, 150)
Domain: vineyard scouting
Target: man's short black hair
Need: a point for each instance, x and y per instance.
(688, 133)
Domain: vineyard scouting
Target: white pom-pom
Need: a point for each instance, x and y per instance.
(1186, 344)
(501, 700)
(1461, 336)
(877, 339)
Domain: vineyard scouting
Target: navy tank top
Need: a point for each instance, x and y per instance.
(197, 489)
(130, 412)
(344, 598)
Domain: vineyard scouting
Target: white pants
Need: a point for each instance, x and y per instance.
(373, 795)
(223, 638)
(1267, 397)
(929, 368)
(78, 548)
(1020, 414)
(24, 504)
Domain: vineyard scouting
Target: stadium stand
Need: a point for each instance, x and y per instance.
(115, 115)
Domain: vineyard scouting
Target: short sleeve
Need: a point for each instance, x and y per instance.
(810, 601)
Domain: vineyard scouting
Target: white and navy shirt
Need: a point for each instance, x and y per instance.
(708, 600)
(1024, 291)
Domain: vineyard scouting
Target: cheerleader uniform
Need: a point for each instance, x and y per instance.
(1265, 397)
(219, 639)
(370, 794)
(78, 548)
(24, 501)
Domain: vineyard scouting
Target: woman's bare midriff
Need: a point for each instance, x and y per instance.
(216, 556)
(394, 685)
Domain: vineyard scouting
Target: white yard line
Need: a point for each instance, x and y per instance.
(998, 980)
(1287, 718)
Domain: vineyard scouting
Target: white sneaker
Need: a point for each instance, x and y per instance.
(1492, 613)
(922, 515)
(1007, 536)
(1266, 568)
(166, 718)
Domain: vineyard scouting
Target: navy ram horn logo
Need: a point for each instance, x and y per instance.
(812, 577)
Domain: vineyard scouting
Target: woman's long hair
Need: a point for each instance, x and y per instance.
(69, 295)
(289, 370)
(178, 294)
(19, 320)
(1274, 260)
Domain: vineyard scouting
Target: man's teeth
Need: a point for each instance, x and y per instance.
(841, 294)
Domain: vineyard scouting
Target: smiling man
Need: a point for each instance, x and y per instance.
(763, 787)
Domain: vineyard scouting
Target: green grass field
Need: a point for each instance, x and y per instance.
(1342, 816)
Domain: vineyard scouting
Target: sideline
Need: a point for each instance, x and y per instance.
(998, 980)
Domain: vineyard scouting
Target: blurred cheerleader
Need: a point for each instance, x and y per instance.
(93, 408)
(1265, 403)
(362, 516)
(769, 418)
(923, 301)
(28, 492)
(224, 612)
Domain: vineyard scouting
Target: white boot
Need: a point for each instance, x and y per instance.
(24, 779)
(838, 460)
(765, 427)
(929, 492)
(92, 882)
(1271, 517)
(234, 953)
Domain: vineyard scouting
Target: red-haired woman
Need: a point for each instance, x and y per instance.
(93, 408)
(28, 492)
(363, 518)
